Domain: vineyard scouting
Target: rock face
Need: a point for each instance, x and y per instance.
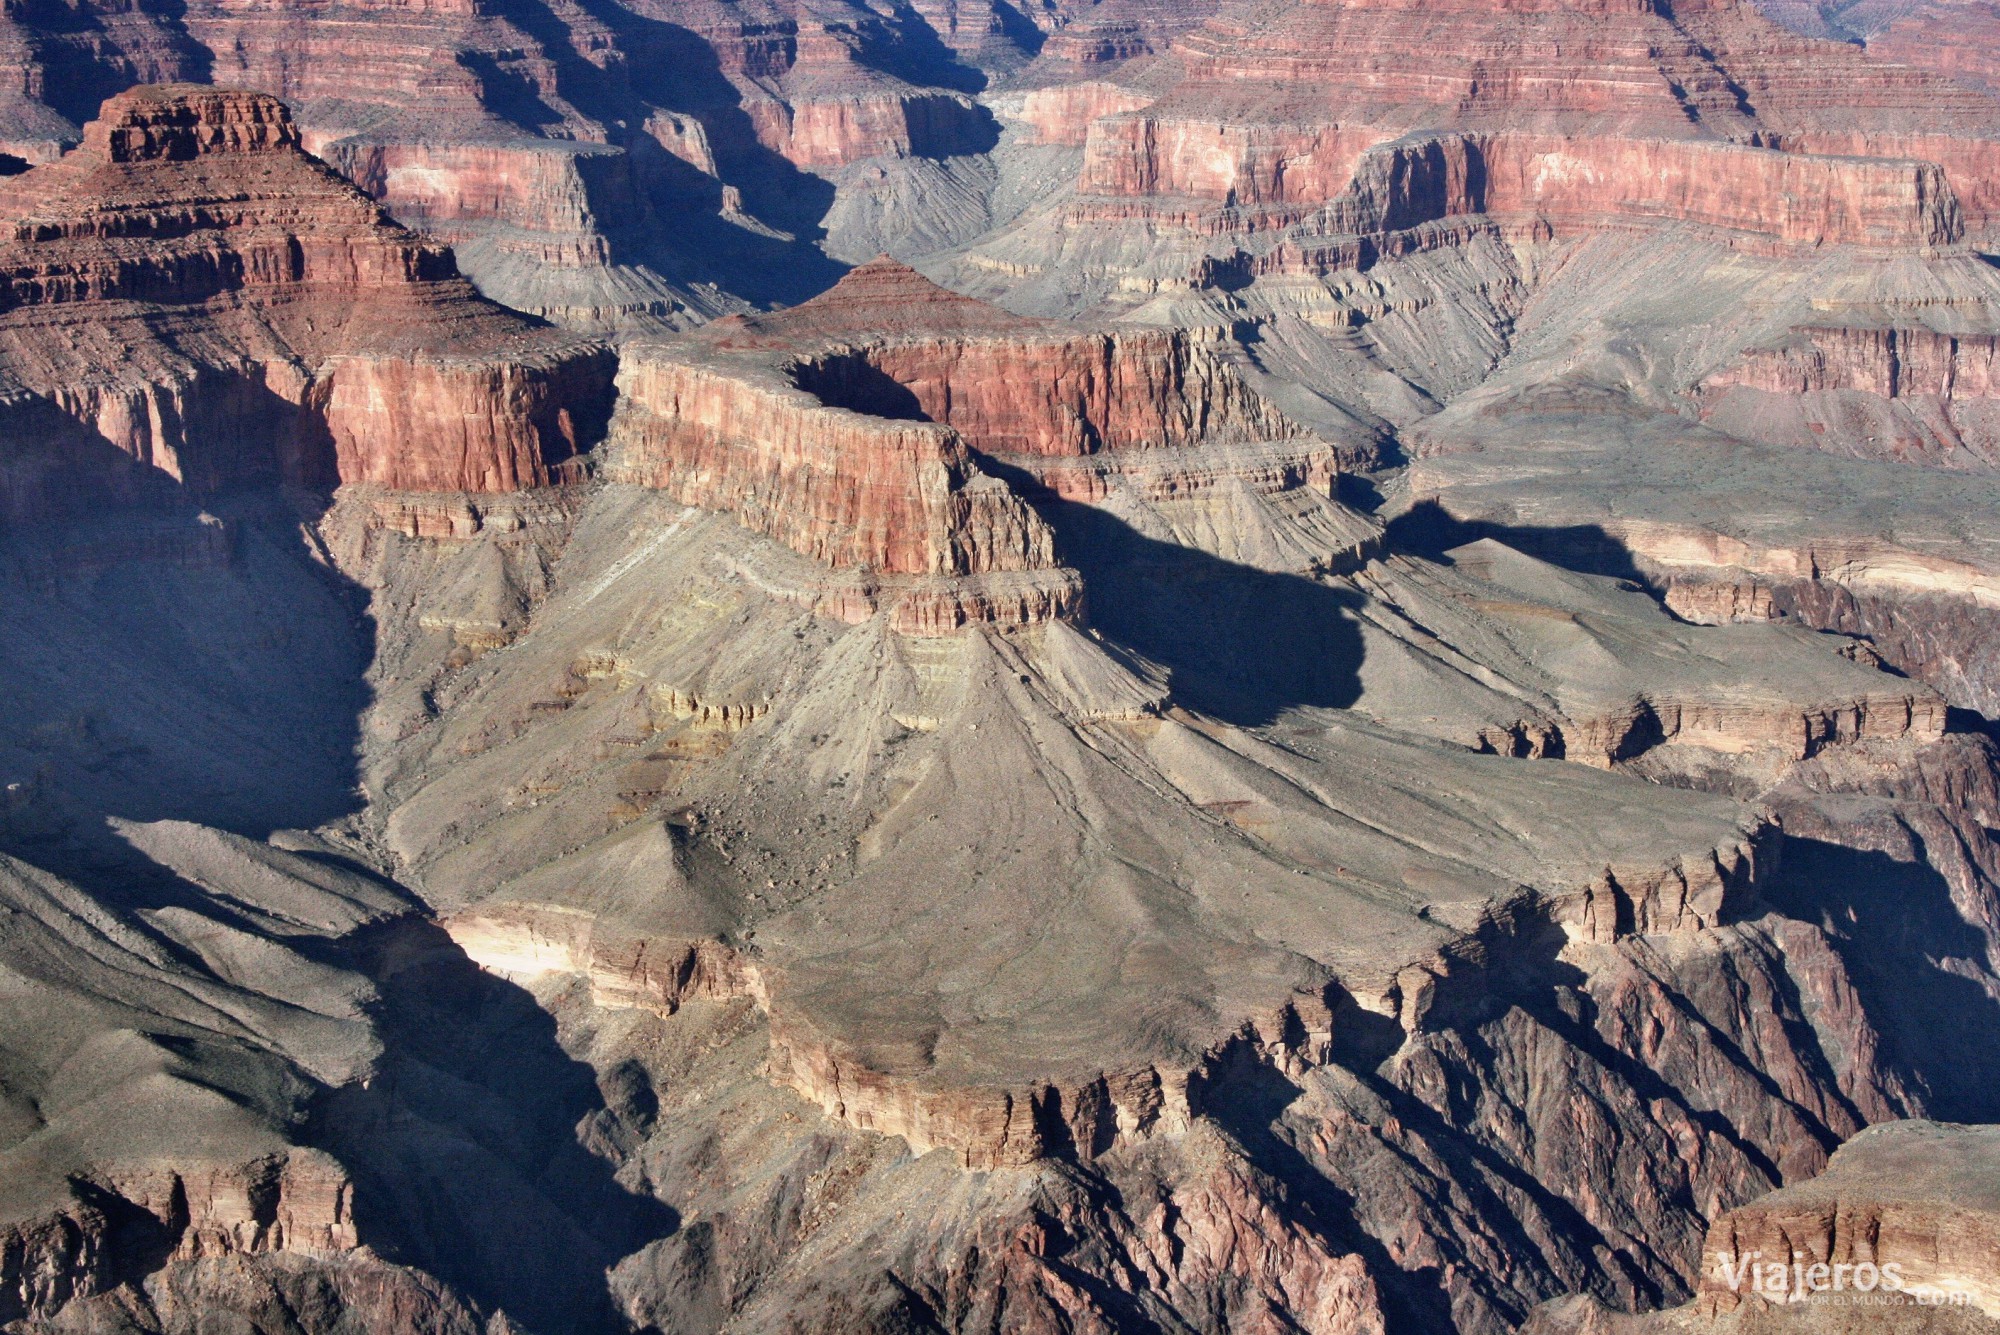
(840, 488)
(1960, 40)
(192, 293)
(592, 163)
(1571, 182)
(1002, 1105)
(1901, 1224)
(1915, 1196)
(1912, 394)
(174, 1065)
(893, 344)
(610, 166)
(1309, 138)
(1467, 939)
(851, 429)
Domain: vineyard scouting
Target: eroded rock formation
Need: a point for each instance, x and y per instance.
(1912, 394)
(1313, 797)
(190, 292)
(1901, 1225)
(853, 428)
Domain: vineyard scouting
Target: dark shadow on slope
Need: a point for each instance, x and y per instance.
(1019, 29)
(1359, 491)
(675, 68)
(466, 1148)
(1905, 630)
(1428, 530)
(1577, 1029)
(915, 53)
(1474, 1166)
(509, 93)
(682, 230)
(849, 380)
(1966, 720)
(670, 67)
(1894, 923)
(156, 663)
(1242, 644)
(82, 63)
(1249, 1102)
(652, 206)
(1480, 1017)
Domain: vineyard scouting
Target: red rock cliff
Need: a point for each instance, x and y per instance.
(848, 428)
(190, 291)
(1581, 114)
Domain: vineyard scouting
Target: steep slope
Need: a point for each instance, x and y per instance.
(190, 293)
(1302, 139)
(1899, 1227)
(747, 795)
(159, 1061)
(1313, 798)
(605, 165)
(865, 429)
(1736, 461)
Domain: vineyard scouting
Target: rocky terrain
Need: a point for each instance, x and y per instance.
(191, 297)
(1897, 1234)
(825, 668)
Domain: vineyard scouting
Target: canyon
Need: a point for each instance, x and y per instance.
(969, 667)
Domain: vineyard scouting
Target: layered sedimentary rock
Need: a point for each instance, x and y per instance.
(852, 428)
(1959, 39)
(1909, 393)
(1411, 953)
(63, 61)
(1305, 139)
(156, 1079)
(835, 920)
(555, 146)
(1687, 457)
(838, 487)
(190, 292)
(1911, 1195)
(1594, 674)
(860, 1054)
(1572, 182)
(1900, 1228)
(1086, 1115)
(1180, 963)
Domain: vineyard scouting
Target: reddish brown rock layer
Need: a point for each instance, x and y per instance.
(1574, 182)
(191, 292)
(549, 197)
(542, 136)
(1910, 394)
(459, 424)
(844, 489)
(994, 1126)
(1904, 1211)
(300, 1202)
(1886, 362)
(1081, 395)
(890, 343)
(1960, 38)
(1579, 115)
(846, 428)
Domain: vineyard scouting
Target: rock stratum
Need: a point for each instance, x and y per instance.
(1349, 689)
(188, 292)
(1900, 1226)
